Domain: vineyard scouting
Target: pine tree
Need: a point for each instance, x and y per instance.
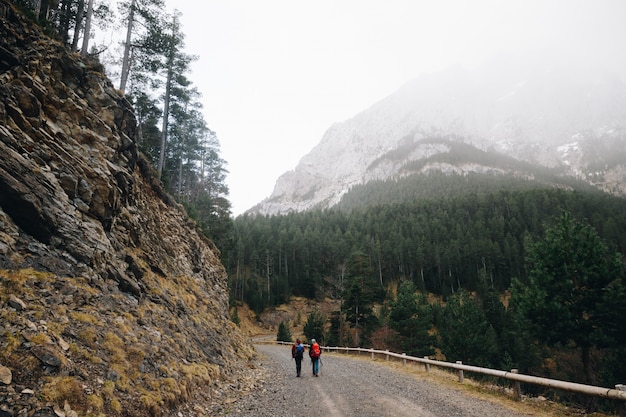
(465, 334)
(139, 14)
(284, 333)
(572, 277)
(410, 316)
(314, 327)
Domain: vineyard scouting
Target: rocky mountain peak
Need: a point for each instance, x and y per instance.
(528, 110)
(111, 300)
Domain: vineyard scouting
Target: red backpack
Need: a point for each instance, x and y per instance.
(315, 352)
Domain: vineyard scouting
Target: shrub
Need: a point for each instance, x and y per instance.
(284, 333)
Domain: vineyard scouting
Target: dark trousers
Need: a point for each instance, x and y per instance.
(298, 365)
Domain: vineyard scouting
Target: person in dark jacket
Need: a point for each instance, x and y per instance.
(297, 353)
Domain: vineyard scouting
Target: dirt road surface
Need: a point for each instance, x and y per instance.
(352, 387)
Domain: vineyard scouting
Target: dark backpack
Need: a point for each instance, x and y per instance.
(297, 350)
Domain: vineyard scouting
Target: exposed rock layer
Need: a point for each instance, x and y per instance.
(111, 300)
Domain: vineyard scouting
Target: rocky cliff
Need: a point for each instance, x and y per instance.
(111, 301)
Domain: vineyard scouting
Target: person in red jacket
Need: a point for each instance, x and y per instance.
(314, 353)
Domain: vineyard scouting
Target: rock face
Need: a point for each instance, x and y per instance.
(111, 301)
(549, 114)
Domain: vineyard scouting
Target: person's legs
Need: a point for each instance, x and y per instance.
(316, 366)
(298, 366)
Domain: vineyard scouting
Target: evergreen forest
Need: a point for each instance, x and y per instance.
(465, 275)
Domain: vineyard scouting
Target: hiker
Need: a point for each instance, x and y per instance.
(314, 353)
(297, 352)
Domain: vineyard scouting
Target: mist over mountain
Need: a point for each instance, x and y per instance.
(569, 116)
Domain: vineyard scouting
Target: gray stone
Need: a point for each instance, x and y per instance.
(5, 375)
(16, 303)
(46, 355)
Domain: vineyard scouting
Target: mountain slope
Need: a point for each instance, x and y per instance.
(457, 169)
(111, 301)
(552, 115)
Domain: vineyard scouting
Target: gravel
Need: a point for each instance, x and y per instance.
(350, 387)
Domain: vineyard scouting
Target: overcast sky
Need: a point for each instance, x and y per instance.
(275, 74)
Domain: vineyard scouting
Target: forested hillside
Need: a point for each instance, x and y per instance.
(436, 274)
(442, 244)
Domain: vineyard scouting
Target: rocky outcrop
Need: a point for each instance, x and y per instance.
(111, 300)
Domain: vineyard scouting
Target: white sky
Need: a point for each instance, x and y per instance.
(275, 74)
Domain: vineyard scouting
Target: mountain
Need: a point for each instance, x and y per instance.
(112, 302)
(550, 114)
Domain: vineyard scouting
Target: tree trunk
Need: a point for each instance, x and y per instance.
(37, 7)
(267, 254)
(126, 60)
(64, 20)
(166, 112)
(80, 15)
(139, 131)
(180, 175)
(85, 47)
(586, 358)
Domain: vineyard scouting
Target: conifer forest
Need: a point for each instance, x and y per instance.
(482, 276)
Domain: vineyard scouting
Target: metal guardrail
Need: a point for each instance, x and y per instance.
(617, 393)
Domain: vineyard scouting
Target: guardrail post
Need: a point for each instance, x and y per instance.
(426, 365)
(517, 389)
(404, 359)
(461, 377)
(622, 387)
(387, 355)
(372, 350)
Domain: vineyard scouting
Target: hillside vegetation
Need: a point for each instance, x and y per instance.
(478, 274)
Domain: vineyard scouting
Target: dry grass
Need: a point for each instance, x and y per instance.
(40, 339)
(117, 340)
(87, 318)
(10, 343)
(65, 388)
(500, 395)
(28, 363)
(88, 336)
(14, 280)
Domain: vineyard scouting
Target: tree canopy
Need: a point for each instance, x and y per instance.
(573, 283)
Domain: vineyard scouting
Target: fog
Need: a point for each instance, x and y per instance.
(275, 75)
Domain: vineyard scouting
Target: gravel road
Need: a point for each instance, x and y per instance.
(351, 387)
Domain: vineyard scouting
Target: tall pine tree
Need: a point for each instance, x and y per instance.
(573, 275)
